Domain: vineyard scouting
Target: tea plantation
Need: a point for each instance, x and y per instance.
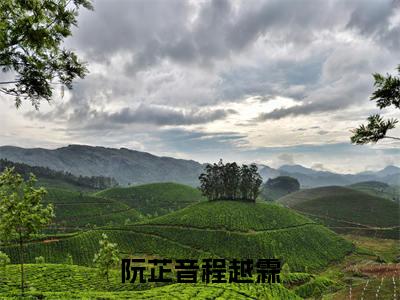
(154, 199)
(229, 229)
(348, 211)
(75, 210)
(60, 281)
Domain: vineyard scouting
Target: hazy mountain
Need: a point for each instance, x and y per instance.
(135, 167)
(297, 169)
(313, 178)
(126, 166)
(388, 171)
(268, 172)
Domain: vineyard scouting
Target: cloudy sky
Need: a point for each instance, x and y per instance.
(273, 81)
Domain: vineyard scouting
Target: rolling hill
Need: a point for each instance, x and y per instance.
(224, 229)
(75, 211)
(347, 210)
(154, 199)
(379, 189)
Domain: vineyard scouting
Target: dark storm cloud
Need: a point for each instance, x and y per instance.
(273, 78)
(89, 118)
(153, 30)
(165, 116)
(349, 90)
(148, 33)
(372, 20)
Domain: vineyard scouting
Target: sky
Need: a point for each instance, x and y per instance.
(273, 82)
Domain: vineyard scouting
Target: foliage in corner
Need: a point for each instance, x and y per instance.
(31, 53)
(387, 94)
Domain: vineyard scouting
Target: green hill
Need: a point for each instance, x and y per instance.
(154, 199)
(232, 216)
(379, 189)
(347, 210)
(76, 210)
(225, 229)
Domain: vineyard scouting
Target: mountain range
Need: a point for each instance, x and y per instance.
(130, 167)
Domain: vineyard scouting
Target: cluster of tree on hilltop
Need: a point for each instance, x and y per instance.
(230, 182)
(96, 182)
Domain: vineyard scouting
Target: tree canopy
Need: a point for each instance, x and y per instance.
(31, 52)
(386, 94)
(107, 257)
(230, 182)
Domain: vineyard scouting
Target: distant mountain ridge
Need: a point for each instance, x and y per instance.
(131, 167)
(314, 178)
(126, 166)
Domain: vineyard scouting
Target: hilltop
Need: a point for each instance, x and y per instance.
(154, 199)
(347, 210)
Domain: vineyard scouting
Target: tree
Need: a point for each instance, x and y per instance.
(22, 213)
(387, 94)
(256, 181)
(107, 257)
(245, 182)
(31, 37)
(230, 182)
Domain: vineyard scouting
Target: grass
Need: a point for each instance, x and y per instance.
(387, 250)
(348, 211)
(154, 199)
